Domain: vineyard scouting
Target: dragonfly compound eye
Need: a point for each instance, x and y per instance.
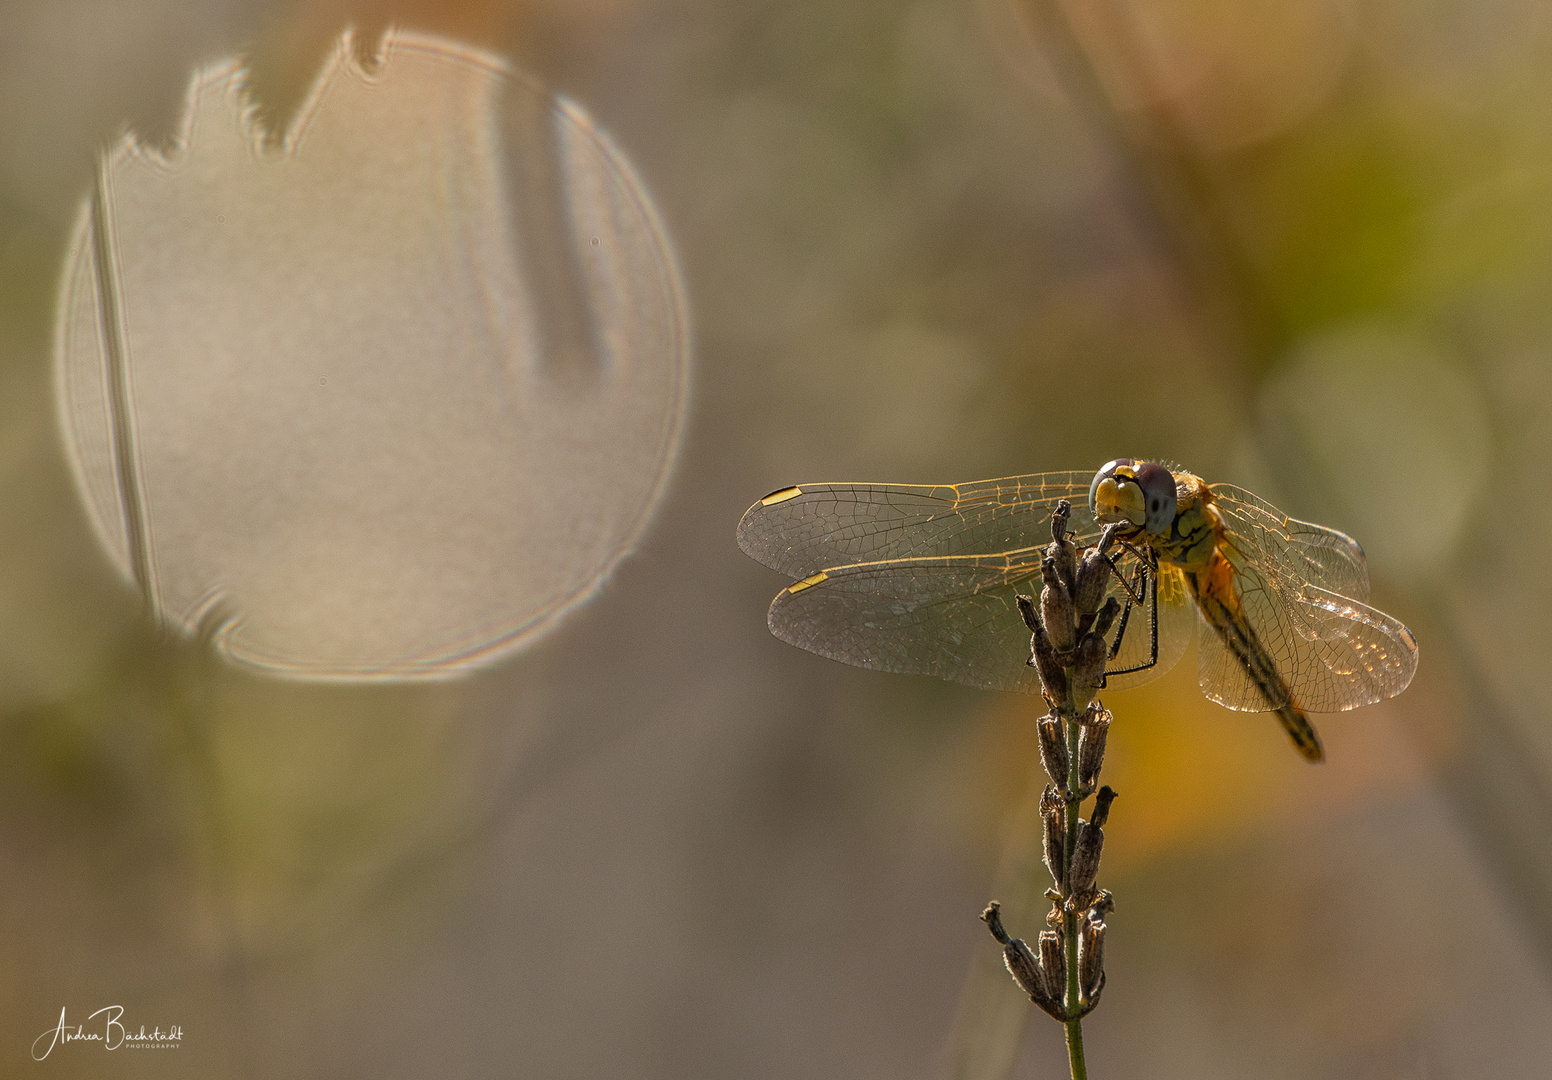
(1158, 491)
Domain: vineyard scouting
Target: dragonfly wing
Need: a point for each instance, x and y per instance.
(1177, 625)
(955, 618)
(803, 530)
(1333, 652)
(1224, 679)
(1298, 550)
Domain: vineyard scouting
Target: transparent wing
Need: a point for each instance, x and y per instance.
(1299, 550)
(1224, 679)
(802, 530)
(954, 618)
(1333, 651)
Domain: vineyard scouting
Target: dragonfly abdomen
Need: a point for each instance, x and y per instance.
(1215, 594)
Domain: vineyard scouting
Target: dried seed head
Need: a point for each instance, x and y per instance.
(1053, 748)
(1053, 821)
(1059, 517)
(1102, 803)
(1093, 576)
(1106, 616)
(1092, 730)
(1088, 668)
(1053, 964)
(1045, 660)
(1021, 963)
(1026, 606)
(1056, 608)
(1054, 917)
(1060, 550)
(1091, 955)
(1085, 863)
(992, 917)
(1025, 969)
(1088, 591)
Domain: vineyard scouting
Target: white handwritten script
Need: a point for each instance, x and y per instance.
(110, 1032)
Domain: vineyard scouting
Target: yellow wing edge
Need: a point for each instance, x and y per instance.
(808, 582)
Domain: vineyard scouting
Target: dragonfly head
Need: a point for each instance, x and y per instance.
(1141, 492)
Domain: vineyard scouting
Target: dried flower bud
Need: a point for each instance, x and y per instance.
(1059, 518)
(1043, 658)
(1056, 608)
(1026, 606)
(992, 917)
(1106, 617)
(1092, 730)
(1025, 969)
(1053, 748)
(1060, 550)
(1091, 655)
(1102, 803)
(1021, 963)
(1088, 668)
(1085, 863)
(1093, 576)
(1054, 917)
(1053, 964)
(1091, 955)
(1089, 589)
(1054, 823)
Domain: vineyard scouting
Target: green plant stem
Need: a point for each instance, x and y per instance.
(1070, 918)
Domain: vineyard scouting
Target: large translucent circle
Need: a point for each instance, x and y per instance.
(384, 398)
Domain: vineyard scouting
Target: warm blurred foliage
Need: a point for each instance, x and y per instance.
(1303, 246)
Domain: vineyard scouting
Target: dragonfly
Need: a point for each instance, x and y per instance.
(923, 579)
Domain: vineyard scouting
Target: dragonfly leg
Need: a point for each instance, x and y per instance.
(1133, 592)
(1132, 597)
(1152, 576)
(1126, 614)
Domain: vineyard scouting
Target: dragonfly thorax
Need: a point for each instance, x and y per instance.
(1195, 529)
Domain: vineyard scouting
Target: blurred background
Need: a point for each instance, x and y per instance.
(1303, 248)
